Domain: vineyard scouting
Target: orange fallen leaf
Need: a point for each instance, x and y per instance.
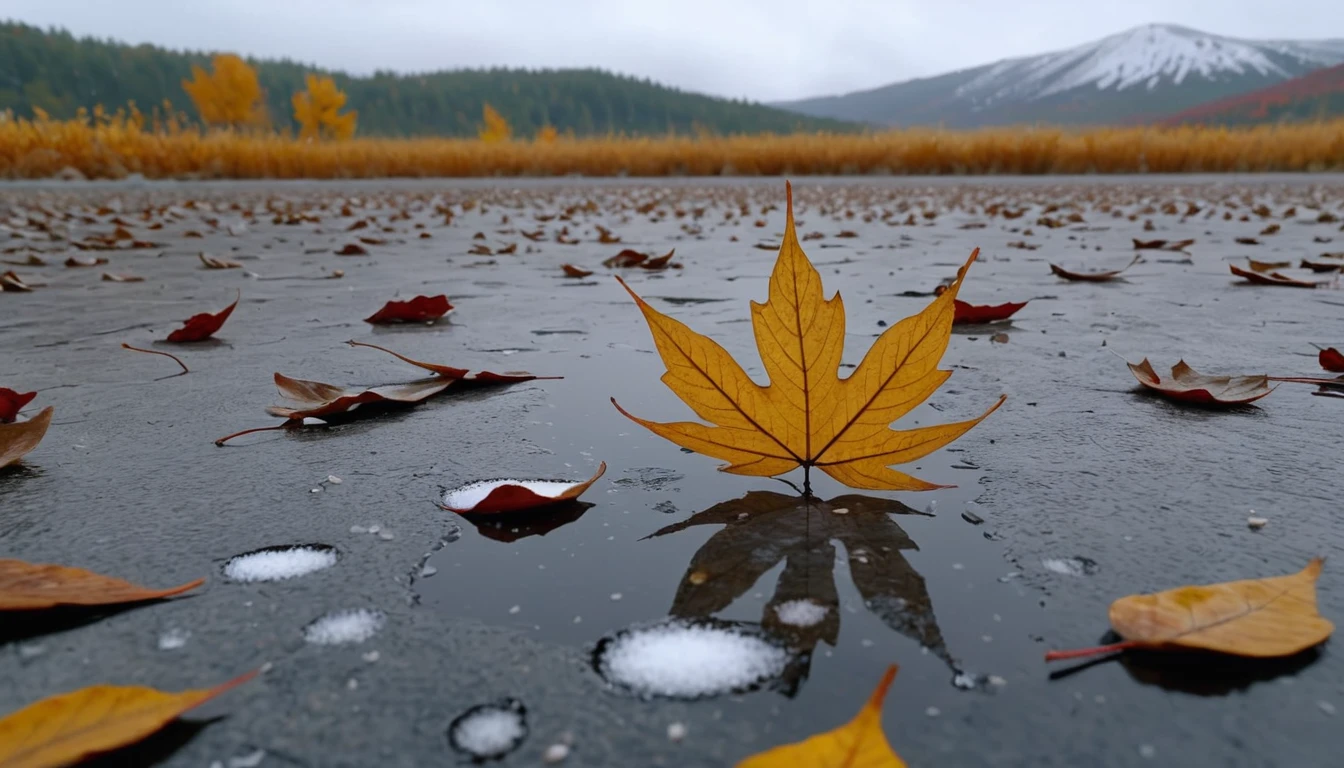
(605, 236)
(1271, 278)
(573, 271)
(808, 416)
(27, 586)
(1191, 386)
(12, 402)
(1260, 618)
(10, 282)
(64, 729)
(20, 438)
(421, 309)
(1093, 277)
(480, 249)
(352, 249)
(505, 496)
(860, 743)
(660, 262)
(507, 250)
(204, 325)
(1267, 266)
(626, 258)
(211, 262)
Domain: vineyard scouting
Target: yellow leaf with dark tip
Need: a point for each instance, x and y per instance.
(1256, 617)
(807, 415)
(859, 743)
(63, 729)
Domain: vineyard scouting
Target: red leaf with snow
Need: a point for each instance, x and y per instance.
(984, 313)
(502, 496)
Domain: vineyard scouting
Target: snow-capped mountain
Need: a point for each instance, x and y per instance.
(1140, 73)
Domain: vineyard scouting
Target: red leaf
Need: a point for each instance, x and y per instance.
(1095, 277)
(1188, 385)
(573, 271)
(421, 309)
(663, 262)
(352, 249)
(626, 258)
(203, 326)
(322, 401)
(1331, 360)
(984, 313)
(12, 402)
(500, 496)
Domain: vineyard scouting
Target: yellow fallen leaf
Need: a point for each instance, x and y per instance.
(1259, 618)
(859, 743)
(808, 416)
(63, 729)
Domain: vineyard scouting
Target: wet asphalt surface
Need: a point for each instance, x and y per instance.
(1089, 490)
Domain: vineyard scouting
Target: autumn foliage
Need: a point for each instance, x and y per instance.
(317, 110)
(229, 95)
(493, 125)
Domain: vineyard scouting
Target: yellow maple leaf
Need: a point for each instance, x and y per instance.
(859, 743)
(807, 415)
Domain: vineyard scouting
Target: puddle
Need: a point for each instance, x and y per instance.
(279, 563)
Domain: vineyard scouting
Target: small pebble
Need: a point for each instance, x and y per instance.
(334, 480)
(676, 732)
(316, 490)
(358, 529)
(386, 535)
(556, 753)
(1256, 523)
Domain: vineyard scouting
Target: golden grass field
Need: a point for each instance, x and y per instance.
(114, 146)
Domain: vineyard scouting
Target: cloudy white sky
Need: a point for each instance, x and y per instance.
(759, 49)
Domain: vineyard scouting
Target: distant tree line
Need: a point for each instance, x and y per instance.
(58, 73)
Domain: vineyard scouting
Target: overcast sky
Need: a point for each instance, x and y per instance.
(759, 49)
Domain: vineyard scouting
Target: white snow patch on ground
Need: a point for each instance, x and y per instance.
(682, 660)
(490, 731)
(278, 564)
(173, 639)
(801, 613)
(468, 496)
(339, 627)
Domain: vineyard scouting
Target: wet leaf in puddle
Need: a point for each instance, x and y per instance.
(28, 586)
(510, 527)
(63, 729)
(696, 659)
(21, 437)
(860, 743)
(204, 325)
(280, 562)
(421, 309)
(501, 496)
(489, 731)
(1258, 618)
(808, 416)
(763, 528)
(12, 402)
(1188, 385)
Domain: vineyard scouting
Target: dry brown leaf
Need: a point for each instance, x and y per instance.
(211, 262)
(28, 586)
(21, 437)
(1188, 385)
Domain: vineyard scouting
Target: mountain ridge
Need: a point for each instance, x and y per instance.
(1154, 69)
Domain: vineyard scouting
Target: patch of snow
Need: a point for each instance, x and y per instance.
(250, 760)
(676, 731)
(801, 613)
(686, 660)
(1070, 566)
(468, 496)
(340, 627)
(490, 731)
(278, 563)
(173, 639)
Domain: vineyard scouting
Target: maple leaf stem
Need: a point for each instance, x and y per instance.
(1325, 382)
(1095, 651)
(174, 358)
(221, 441)
(807, 480)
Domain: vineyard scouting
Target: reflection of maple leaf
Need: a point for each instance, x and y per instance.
(808, 416)
(763, 528)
